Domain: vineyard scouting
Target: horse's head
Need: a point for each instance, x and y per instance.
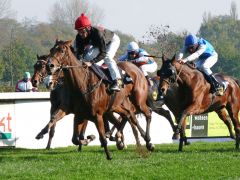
(58, 61)
(167, 74)
(57, 58)
(40, 72)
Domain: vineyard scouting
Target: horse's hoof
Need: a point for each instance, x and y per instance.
(187, 143)
(111, 138)
(84, 142)
(39, 136)
(120, 145)
(175, 136)
(91, 137)
(109, 158)
(233, 137)
(150, 147)
(75, 141)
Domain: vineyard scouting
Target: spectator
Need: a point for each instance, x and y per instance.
(25, 84)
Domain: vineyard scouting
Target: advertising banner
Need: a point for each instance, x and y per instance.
(7, 125)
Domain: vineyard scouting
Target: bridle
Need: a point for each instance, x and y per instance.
(61, 67)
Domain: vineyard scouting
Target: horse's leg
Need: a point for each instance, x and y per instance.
(78, 131)
(222, 114)
(130, 117)
(119, 137)
(115, 121)
(233, 113)
(59, 114)
(165, 113)
(101, 130)
(148, 114)
(184, 125)
(181, 140)
(51, 134)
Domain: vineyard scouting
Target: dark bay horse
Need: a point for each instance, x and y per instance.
(85, 86)
(194, 96)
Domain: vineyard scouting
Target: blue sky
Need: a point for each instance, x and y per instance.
(136, 16)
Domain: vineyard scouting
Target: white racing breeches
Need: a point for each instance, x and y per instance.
(148, 68)
(109, 61)
(205, 65)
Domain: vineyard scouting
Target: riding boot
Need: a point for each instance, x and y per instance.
(148, 80)
(216, 88)
(117, 84)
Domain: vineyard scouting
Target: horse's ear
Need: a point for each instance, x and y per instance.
(69, 43)
(163, 58)
(173, 58)
(57, 40)
(38, 56)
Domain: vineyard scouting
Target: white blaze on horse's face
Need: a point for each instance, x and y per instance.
(51, 67)
(48, 82)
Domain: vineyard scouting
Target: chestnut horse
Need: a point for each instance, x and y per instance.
(58, 100)
(194, 96)
(84, 86)
(59, 106)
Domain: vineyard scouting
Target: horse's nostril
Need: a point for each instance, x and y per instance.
(51, 66)
(162, 90)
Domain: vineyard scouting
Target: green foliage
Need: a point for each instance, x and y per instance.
(224, 33)
(16, 60)
(198, 161)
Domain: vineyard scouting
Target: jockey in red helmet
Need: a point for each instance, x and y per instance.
(106, 41)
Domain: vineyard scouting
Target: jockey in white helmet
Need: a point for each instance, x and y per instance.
(140, 58)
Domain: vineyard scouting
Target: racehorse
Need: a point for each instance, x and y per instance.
(58, 100)
(85, 86)
(59, 106)
(194, 96)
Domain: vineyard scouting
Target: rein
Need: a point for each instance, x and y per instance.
(62, 67)
(178, 75)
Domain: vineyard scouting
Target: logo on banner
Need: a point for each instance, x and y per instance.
(5, 127)
(199, 125)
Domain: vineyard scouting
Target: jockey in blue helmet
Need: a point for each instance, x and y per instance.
(202, 52)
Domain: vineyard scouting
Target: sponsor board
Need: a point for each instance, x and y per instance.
(7, 125)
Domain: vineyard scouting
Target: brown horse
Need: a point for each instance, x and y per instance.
(57, 100)
(59, 106)
(85, 86)
(194, 96)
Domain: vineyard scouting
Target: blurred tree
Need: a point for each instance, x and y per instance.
(65, 12)
(5, 9)
(17, 59)
(233, 11)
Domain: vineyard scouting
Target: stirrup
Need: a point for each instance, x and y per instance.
(115, 87)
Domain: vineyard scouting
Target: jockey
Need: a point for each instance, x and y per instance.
(139, 57)
(106, 41)
(203, 52)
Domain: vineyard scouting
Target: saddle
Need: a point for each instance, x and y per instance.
(103, 73)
